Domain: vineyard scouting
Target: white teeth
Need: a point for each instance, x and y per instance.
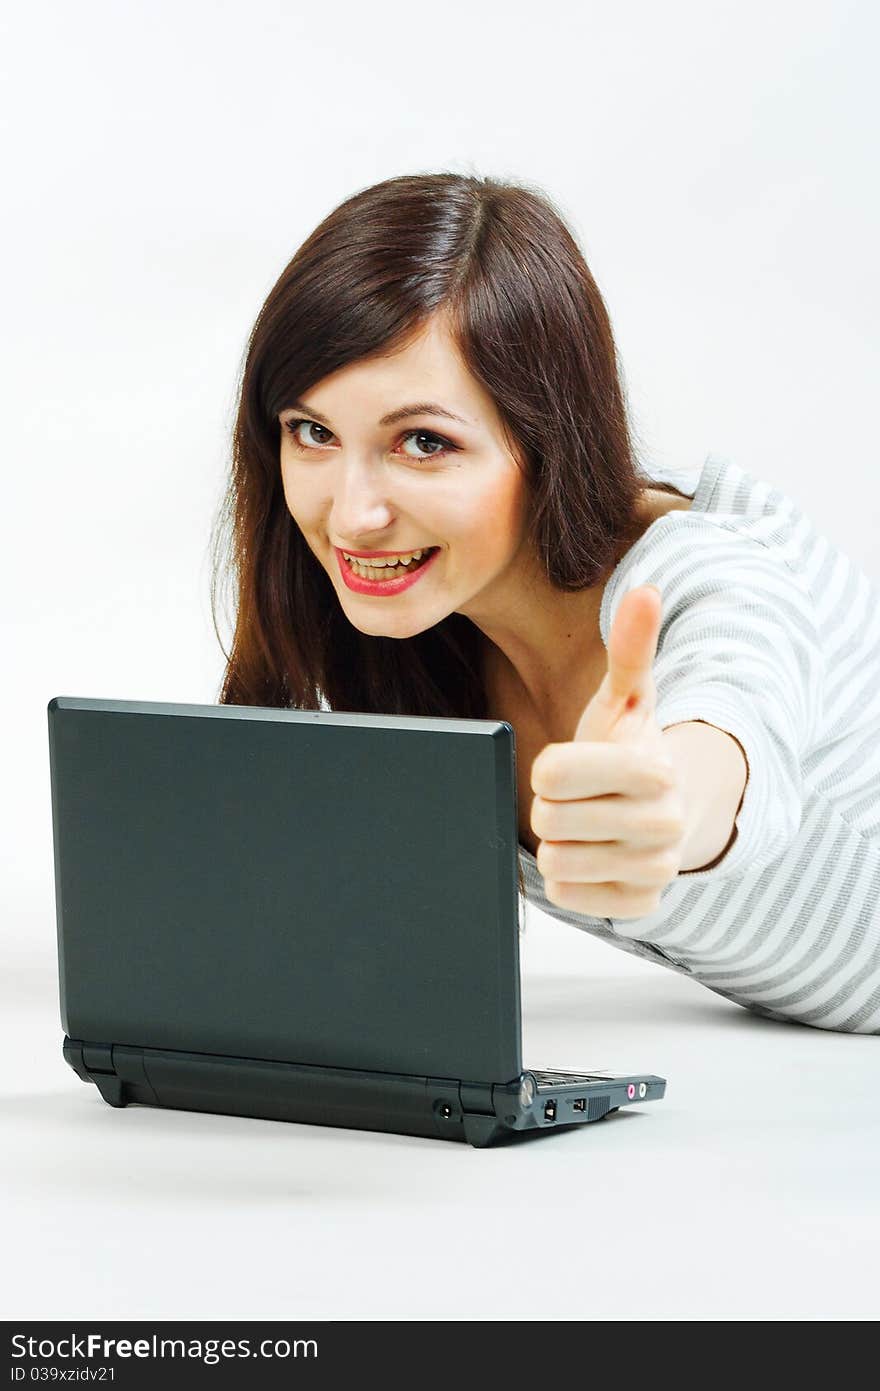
(388, 567)
(388, 560)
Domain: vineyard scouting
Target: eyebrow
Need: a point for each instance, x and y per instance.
(402, 412)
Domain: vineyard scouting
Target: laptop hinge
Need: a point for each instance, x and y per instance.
(98, 1057)
(475, 1097)
(450, 1101)
(117, 1071)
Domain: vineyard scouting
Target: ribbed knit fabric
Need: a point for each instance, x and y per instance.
(772, 633)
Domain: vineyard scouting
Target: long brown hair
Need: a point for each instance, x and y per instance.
(498, 260)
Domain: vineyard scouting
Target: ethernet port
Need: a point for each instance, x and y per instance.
(549, 1110)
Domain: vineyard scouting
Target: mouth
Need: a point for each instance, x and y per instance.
(381, 568)
(384, 579)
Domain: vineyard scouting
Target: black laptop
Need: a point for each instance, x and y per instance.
(303, 916)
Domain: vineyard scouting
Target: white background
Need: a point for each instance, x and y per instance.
(161, 164)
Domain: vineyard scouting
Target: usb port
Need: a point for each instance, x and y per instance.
(549, 1110)
(580, 1104)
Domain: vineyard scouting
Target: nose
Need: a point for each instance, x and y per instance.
(360, 509)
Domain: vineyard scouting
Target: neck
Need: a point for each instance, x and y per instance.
(548, 674)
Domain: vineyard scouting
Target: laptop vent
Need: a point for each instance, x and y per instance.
(598, 1105)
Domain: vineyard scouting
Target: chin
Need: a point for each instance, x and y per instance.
(408, 627)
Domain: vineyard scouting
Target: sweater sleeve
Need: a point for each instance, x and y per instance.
(739, 649)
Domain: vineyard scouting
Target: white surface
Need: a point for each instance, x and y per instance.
(748, 1192)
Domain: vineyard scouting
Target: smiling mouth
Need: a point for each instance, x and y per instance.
(379, 573)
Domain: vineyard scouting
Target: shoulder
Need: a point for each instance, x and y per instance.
(693, 555)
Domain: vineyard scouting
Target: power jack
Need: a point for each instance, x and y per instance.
(549, 1110)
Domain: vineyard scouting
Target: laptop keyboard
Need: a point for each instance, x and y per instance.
(546, 1079)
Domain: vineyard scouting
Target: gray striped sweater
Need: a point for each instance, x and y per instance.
(769, 632)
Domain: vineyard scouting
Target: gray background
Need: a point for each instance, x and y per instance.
(161, 165)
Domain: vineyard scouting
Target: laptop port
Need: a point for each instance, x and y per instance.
(580, 1104)
(549, 1110)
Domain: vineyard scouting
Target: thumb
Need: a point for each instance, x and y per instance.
(627, 693)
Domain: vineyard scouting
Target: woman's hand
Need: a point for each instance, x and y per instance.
(608, 806)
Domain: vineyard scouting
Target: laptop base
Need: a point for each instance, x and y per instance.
(432, 1107)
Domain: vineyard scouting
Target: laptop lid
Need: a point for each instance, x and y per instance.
(334, 889)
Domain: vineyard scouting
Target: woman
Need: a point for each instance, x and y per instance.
(433, 380)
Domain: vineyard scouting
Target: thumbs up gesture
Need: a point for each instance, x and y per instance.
(608, 807)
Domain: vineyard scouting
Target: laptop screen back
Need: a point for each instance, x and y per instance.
(302, 886)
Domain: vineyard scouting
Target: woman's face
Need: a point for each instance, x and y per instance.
(422, 480)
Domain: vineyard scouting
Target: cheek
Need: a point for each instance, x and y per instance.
(497, 514)
(301, 501)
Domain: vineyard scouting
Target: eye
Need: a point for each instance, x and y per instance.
(305, 443)
(292, 426)
(445, 445)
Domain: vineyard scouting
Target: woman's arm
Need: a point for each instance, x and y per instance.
(712, 771)
(739, 651)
